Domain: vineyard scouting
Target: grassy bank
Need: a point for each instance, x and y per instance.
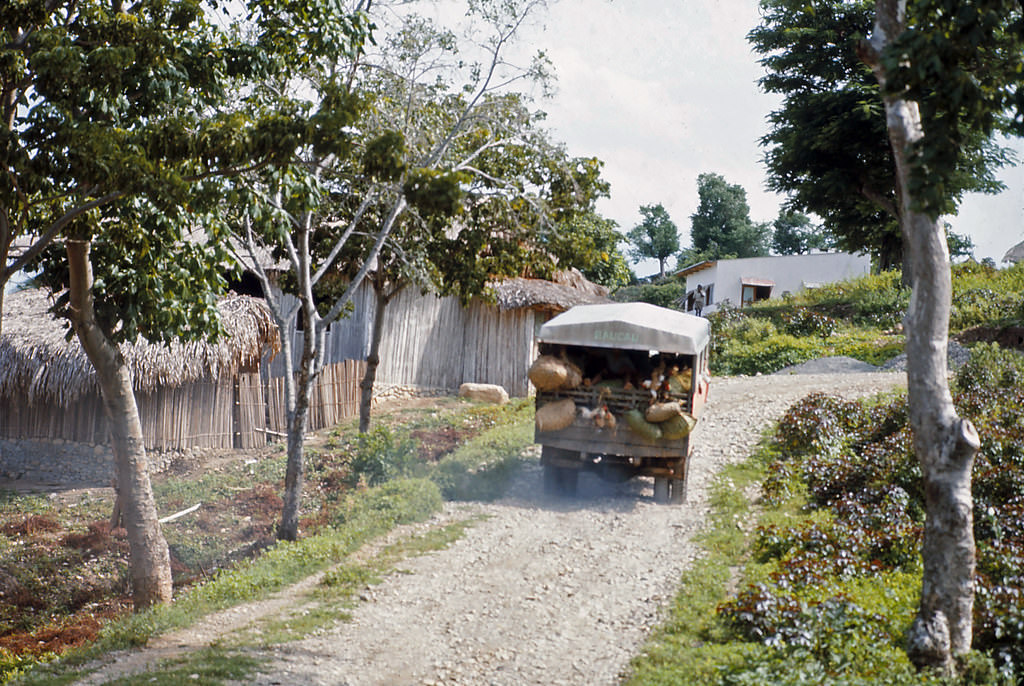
(358, 488)
(818, 582)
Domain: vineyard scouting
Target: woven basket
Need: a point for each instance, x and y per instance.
(678, 427)
(549, 373)
(556, 415)
(662, 412)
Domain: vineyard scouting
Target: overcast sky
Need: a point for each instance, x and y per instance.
(663, 90)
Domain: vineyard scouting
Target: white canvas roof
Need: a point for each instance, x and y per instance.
(634, 326)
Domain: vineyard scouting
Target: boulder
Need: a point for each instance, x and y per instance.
(484, 393)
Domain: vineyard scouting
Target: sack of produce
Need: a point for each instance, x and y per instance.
(681, 382)
(662, 412)
(642, 427)
(678, 427)
(549, 373)
(556, 416)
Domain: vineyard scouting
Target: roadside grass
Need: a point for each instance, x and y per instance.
(491, 447)
(208, 666)
(689, 647)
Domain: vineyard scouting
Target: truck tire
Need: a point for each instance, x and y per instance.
(560, 481)
(661, 490)
(677, 491)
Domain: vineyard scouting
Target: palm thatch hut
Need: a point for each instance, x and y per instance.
(1014, 254)
(190, 394)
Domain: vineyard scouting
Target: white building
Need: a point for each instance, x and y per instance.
(746, 280)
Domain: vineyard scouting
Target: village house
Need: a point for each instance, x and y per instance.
(432, 345)
(740, 282)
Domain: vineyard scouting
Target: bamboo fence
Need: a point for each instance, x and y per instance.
(232, 413)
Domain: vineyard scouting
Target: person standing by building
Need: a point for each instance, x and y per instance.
(699, 301)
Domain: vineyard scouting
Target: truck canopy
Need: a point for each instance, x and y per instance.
(633, 326)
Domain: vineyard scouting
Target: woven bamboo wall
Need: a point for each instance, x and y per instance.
(335, 397)
(435, 343)
(211, 414)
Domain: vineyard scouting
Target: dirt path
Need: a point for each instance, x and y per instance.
(542, 591)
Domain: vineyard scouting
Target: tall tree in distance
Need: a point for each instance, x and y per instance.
(827, 148)
(656, 236)
(794, 234)
(941, 61)
(721, 227)
(590, 243)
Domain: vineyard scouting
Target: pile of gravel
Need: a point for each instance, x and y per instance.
(839, 364)
(956, 358)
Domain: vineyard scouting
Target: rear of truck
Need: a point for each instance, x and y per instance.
(632, 360)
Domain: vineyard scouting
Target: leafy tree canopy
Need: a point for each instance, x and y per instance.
(827, 149)
(794, 234)
(656, 236)
(590, 243)
(721, 227)
(119, 128)
(963, 63)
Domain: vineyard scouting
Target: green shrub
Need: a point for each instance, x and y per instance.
(480, 468)
(803, 321)
(664, 294)
(397, 502)
(877, 300)
(984, 295)
(763, 356)
(991, 366)
(381, 456)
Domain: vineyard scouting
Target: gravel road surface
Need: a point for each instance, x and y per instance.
(539, 590)
(545, 590)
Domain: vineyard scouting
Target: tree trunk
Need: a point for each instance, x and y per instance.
(373, 359)
(944, 443)
(149, 562)
(298, 419)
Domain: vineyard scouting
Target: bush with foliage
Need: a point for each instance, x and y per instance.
(877, 300)
(853, 466)
(667, 293)
(983, 295)
(803, 321)
(381, 456)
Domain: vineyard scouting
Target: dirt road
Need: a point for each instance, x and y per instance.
(542, 590)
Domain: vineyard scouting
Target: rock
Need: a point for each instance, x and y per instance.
(484, 392)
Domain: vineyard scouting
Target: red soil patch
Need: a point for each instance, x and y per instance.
(76, 630)
(30, 526)
(436, 443)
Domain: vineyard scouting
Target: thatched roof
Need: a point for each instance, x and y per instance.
(36, 358)
(1014, 254)
(567, 289)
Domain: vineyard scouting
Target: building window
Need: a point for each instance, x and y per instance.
(752, 293)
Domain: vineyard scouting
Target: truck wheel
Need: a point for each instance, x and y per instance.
(550, 480)
(570, 477)
(560, 481)
(661, 490)
(677, 491)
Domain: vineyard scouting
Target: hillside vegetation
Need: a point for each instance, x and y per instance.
(859, 318)
(818, 582)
